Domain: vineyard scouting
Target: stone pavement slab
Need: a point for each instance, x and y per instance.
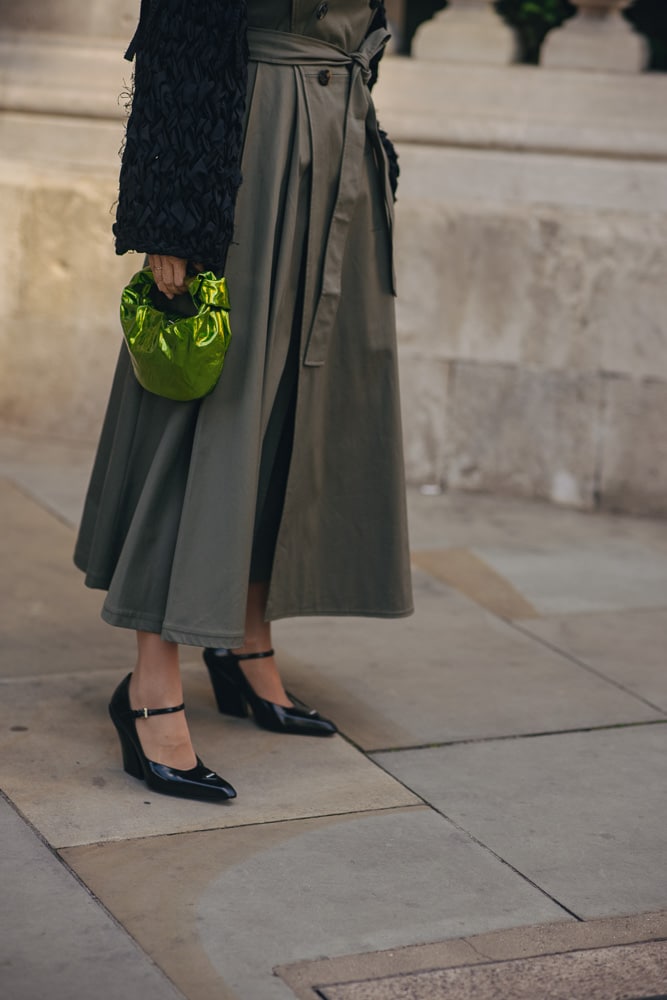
(53, 472)
(581, 814)
(219, 910)
(462, 569)
(616, 575)
(61, 766)
(621, 973)
(304, 978)
(629, 648)
(56, 941)
(451, 672)
(49, 621)
(455, 520)
(325, 852)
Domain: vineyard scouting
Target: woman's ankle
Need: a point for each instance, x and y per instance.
(157, 675)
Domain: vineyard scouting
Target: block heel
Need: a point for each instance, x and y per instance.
(229, 695)
(131, 759)
(234, 693)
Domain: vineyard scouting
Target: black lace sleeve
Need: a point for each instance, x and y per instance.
(380, 21)
(180, 170)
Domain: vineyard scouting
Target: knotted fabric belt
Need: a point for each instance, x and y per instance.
(284, 49)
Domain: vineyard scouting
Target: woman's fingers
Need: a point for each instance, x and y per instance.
(169, 274)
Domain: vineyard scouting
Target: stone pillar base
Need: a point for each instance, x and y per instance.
(595, 40)
(469, 31)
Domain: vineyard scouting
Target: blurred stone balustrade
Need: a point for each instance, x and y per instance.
(532, 258)
(61, 125)
(597, 38)
(467, 31)
(531, 251)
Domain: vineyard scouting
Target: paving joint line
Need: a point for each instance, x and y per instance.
(236, 826)
(520, 736)
(41, 503)
(485, 847)
(55, 853)
(585, 666)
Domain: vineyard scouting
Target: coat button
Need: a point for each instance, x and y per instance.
(322, 11)
(324, 76)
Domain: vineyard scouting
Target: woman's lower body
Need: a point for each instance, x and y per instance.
(281, 494)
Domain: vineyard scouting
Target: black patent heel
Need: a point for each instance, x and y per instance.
(196, 783)
(131, 760)
(234, 693)
(229, 695)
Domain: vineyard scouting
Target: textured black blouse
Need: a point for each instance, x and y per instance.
(181, 166)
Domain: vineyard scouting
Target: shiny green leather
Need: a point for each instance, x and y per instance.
(177, 346)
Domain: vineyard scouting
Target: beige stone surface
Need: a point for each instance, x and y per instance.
(424, 384)
(508, 255)
(52, 472)
(298, 867)
(576, 813)
(608, 974)
(594, 279)
(49, 622)
(305, 977)
(60, 333)
(529, 432)
(473, 179)
(473, 577)
(69, 16)
(459, 256)
(634, 463)
(59, 74)
(476, 521)
(218, 910)
(630, 649)
(553, 288)
(620, 575)
(451, 672)
(468, 31)
(595, 40)
(34, 145)
(525, 108)
(56, 940)
(515, 942)
(62, 766)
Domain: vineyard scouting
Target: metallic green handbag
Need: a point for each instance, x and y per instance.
(177, 346)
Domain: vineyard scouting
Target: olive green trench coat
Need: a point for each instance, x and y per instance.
(169, 518)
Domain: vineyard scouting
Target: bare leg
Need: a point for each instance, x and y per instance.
(156, 683)
(262, 674)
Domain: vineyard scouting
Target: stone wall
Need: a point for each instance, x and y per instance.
(532, 256)
(531, 253)
(60, 130)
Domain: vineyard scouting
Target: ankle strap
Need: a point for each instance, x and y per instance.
(145, 713)
(252, 656)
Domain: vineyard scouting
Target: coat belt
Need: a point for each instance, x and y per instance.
(282, 48)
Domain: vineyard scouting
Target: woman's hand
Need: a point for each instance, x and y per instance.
(169, 273)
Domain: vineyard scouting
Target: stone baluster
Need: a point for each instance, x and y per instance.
(598, 38)
(467, 31)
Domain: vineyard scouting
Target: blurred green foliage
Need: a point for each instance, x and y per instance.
(649, 17)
